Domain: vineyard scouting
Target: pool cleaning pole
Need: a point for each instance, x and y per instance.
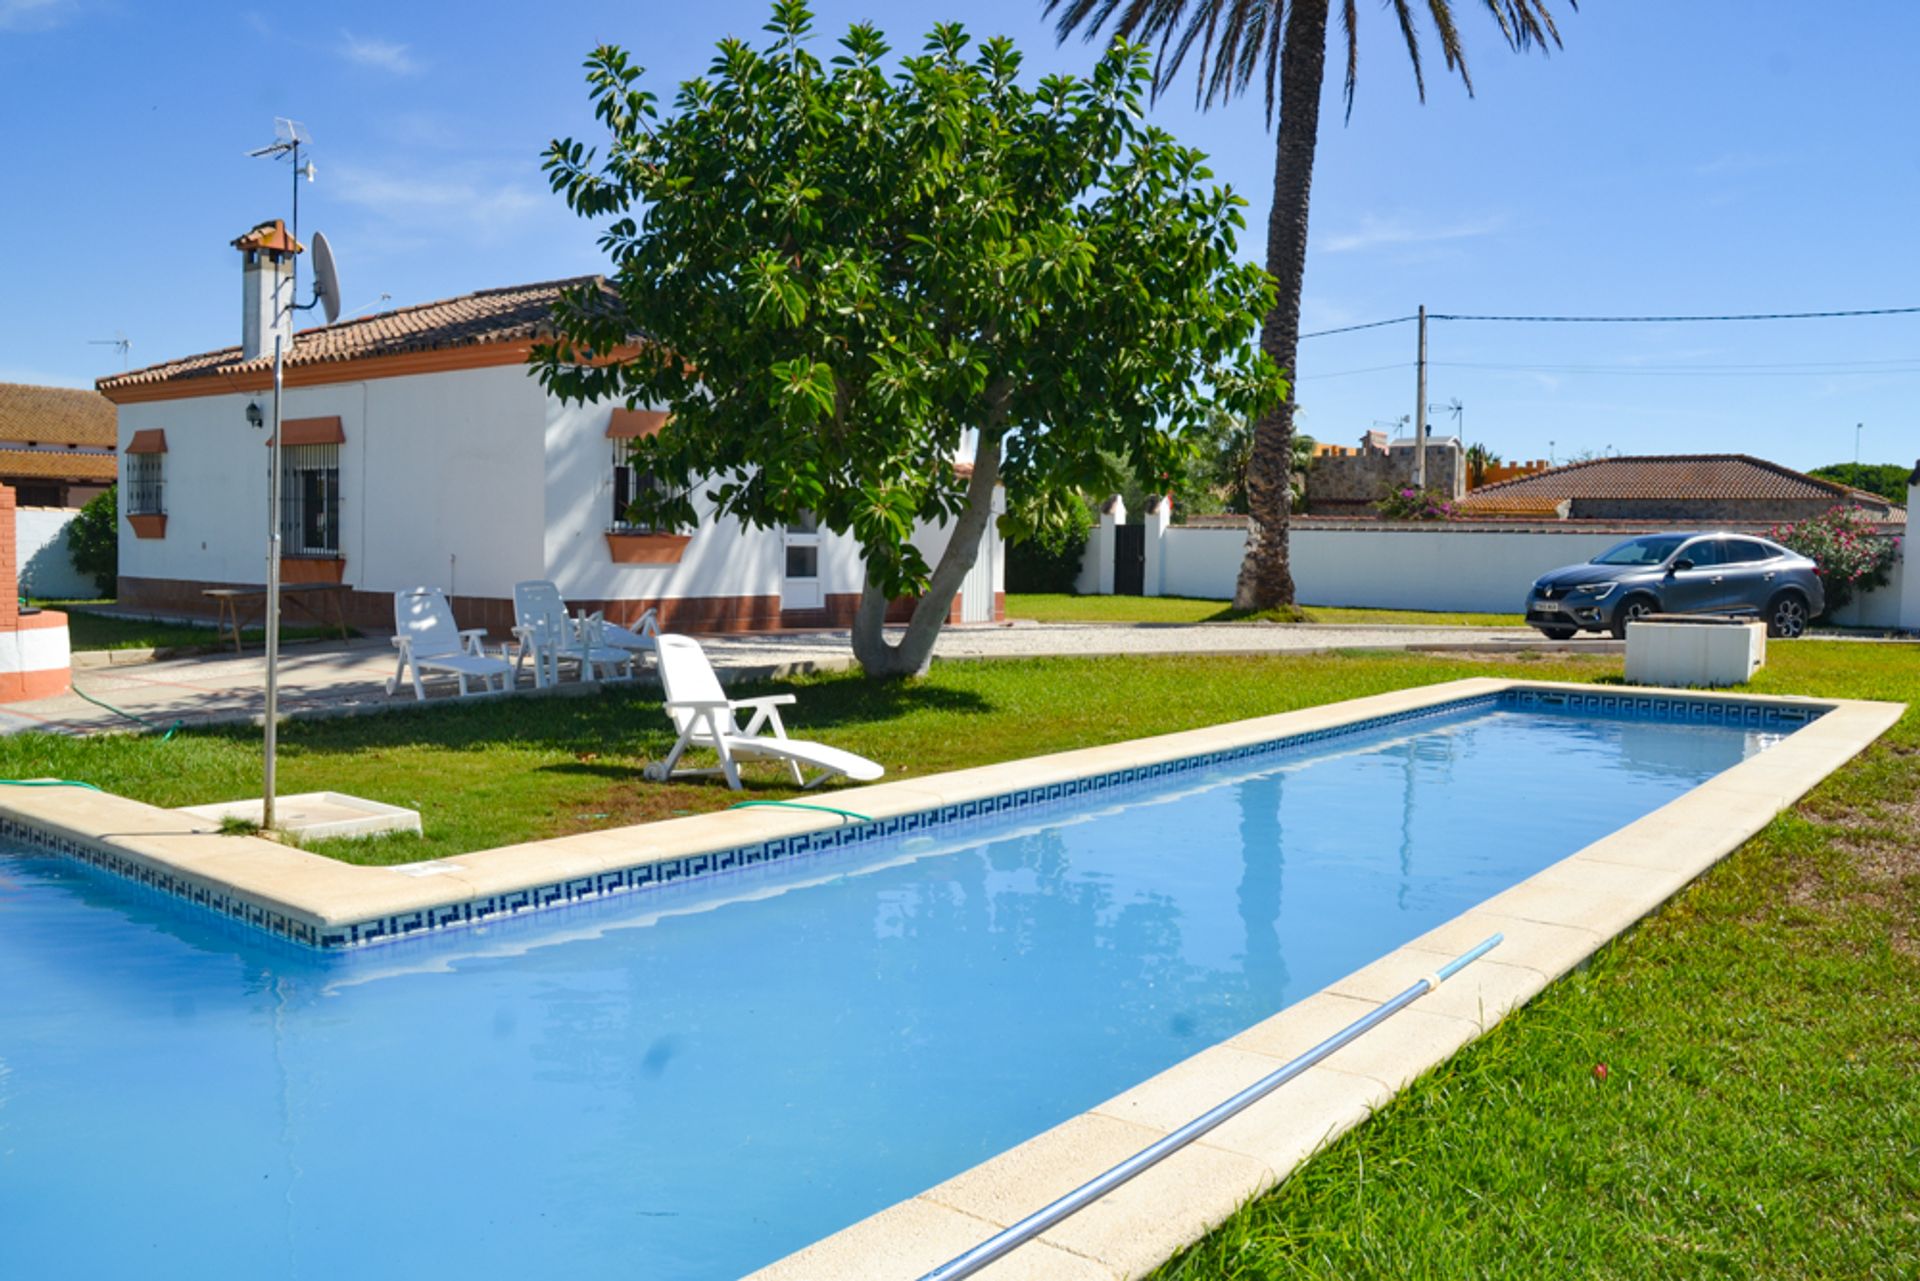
(1087, 1193)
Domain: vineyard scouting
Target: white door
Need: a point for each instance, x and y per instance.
(976, 589)
(800, 589)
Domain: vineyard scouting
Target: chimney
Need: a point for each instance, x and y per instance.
(266, 288)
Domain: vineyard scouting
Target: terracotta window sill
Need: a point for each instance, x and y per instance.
(647, 549)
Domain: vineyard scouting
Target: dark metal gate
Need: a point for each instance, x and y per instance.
(1129, 560)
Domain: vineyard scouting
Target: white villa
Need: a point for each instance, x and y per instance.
(421, 451)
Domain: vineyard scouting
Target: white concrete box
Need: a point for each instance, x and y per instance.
(1695, 652)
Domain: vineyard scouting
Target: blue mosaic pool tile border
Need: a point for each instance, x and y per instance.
(644, 876)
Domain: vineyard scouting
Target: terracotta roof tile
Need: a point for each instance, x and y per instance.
(1719, 477)
(57, 415)
(48, 464)
(513, 314)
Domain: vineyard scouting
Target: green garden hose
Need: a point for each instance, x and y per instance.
(46, 782)
(802, 805)
(141, 720)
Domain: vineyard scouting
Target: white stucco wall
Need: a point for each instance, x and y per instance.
(471, 480)
(1451, 568)
(41, 557)
(440, 481)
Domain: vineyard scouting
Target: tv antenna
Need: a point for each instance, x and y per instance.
(1457, 411)
(119, 342)
(289, 137)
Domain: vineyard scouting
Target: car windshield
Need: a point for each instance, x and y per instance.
(1653, 550)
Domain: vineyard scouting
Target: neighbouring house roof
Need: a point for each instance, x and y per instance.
(1677, 477)
(57, 416)
(57, 464)
(515, 314)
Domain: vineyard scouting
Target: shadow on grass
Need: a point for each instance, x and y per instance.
(622, 720)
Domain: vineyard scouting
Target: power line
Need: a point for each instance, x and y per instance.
(1669, 320)
(1837, 369)
(1347, 329)
(1625, 320)
(1344, 373)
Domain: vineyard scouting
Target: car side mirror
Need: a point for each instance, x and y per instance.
(1678, 565)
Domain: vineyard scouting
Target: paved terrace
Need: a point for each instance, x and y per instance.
(348, 678)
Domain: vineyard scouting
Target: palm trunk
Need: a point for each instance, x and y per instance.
(1266, 575)
(914, 652)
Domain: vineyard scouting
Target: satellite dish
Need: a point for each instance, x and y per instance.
(326, 278)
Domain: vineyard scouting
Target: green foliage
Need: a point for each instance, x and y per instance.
(1848, 553)
(1409, 503)
(1889, 480)
(93, 540)
(1049, 560)
(1479, 458)
(837, 274)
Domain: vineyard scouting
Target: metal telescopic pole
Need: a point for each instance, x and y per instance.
(1420, 409)
(273, 590)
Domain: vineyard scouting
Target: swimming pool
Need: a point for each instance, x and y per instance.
(696, 1080)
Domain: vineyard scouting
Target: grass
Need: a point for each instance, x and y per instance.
(1186, 609)
(89, 630)
(1762, 1096)
(485, 773)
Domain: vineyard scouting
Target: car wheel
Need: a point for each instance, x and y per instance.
(1632, 609)
(1787, 616)
(1559, 633)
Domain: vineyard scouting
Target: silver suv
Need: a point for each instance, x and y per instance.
(1717, 573)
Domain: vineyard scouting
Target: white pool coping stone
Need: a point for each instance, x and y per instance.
(1552, 921)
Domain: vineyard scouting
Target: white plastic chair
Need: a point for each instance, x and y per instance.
(703, 714)
(544, 632)
(430, 641)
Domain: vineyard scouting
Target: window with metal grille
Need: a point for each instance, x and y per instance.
(146, 489)
(628, 483)
(310, 500)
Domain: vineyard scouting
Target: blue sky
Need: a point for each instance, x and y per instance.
(1713, 156)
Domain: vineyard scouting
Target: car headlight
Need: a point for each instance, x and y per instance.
(1596, 591)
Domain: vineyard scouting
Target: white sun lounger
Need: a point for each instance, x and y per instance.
(430, 641)
(546, 634)
(703, 714)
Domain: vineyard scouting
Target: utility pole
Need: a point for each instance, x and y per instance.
(1856, 443)
(1420, 409)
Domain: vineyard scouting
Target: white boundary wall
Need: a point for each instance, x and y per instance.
(1469, 567)
(41, 557)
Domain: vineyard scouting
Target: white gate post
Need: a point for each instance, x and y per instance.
(1159, 517)
(1910, 560)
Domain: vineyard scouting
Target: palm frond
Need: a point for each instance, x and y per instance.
(1240, 42)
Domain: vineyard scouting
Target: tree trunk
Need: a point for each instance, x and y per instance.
(1266, 576)
(913, 653)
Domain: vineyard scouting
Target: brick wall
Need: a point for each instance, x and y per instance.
(9, 558)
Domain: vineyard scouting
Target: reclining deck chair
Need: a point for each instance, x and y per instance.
(547, 634)
(430, 641)
(703, 714)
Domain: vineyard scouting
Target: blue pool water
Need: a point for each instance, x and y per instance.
(692, 1082)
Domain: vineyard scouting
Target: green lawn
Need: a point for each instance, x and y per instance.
(89, 630)
(1186, 609)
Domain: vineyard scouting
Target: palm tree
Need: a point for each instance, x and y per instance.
(1282, 44)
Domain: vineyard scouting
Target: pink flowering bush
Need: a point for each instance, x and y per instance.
(1850, 555)
(1408, 503)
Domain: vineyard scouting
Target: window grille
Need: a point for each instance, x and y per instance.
(146, 491)
(310, 500)
(629, 482)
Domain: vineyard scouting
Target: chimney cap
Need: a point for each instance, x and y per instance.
(272, 235)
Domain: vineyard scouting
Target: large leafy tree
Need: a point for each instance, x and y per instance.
(1281, 45)
(839, 279)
